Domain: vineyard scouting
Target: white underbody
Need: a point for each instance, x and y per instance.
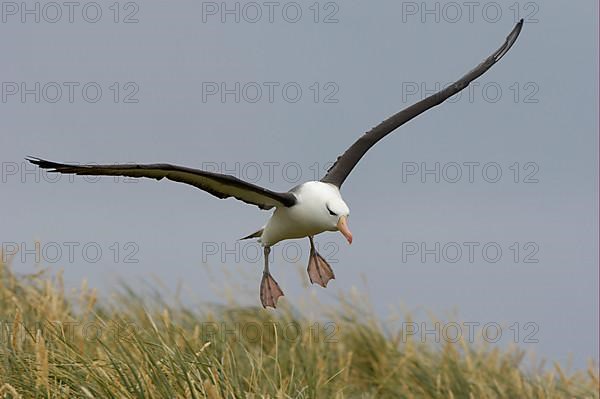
(308, 217)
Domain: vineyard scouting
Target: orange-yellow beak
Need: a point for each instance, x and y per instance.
(343, 228)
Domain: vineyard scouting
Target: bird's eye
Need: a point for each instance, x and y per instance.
(332, 213)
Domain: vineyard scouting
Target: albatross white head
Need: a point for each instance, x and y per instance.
(319, 208)
(338, 213)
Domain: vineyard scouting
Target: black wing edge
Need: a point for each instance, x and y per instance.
(287, 199)
(55, 167)
(344, 164)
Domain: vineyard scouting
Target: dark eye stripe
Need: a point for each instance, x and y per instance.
(332, 213)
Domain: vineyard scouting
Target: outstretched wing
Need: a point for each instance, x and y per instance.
(348, 160)
(219, 185)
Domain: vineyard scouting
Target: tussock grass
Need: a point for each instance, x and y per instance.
(76, 346)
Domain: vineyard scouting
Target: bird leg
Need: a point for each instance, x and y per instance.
(269, 289)
(319, 271)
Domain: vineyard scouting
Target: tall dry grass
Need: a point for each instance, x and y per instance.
(54, 344)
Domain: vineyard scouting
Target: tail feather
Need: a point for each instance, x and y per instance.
(256, 234)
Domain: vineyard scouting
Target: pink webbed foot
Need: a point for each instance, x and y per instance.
(269, 291)
(319, 271)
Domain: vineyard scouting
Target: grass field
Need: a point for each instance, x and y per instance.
(73, 345)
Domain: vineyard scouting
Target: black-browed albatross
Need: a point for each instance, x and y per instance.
(306, 210)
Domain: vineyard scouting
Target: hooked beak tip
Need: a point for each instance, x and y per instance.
(343, 228)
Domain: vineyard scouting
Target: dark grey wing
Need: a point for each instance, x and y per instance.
(348, 160)
(219, 185)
